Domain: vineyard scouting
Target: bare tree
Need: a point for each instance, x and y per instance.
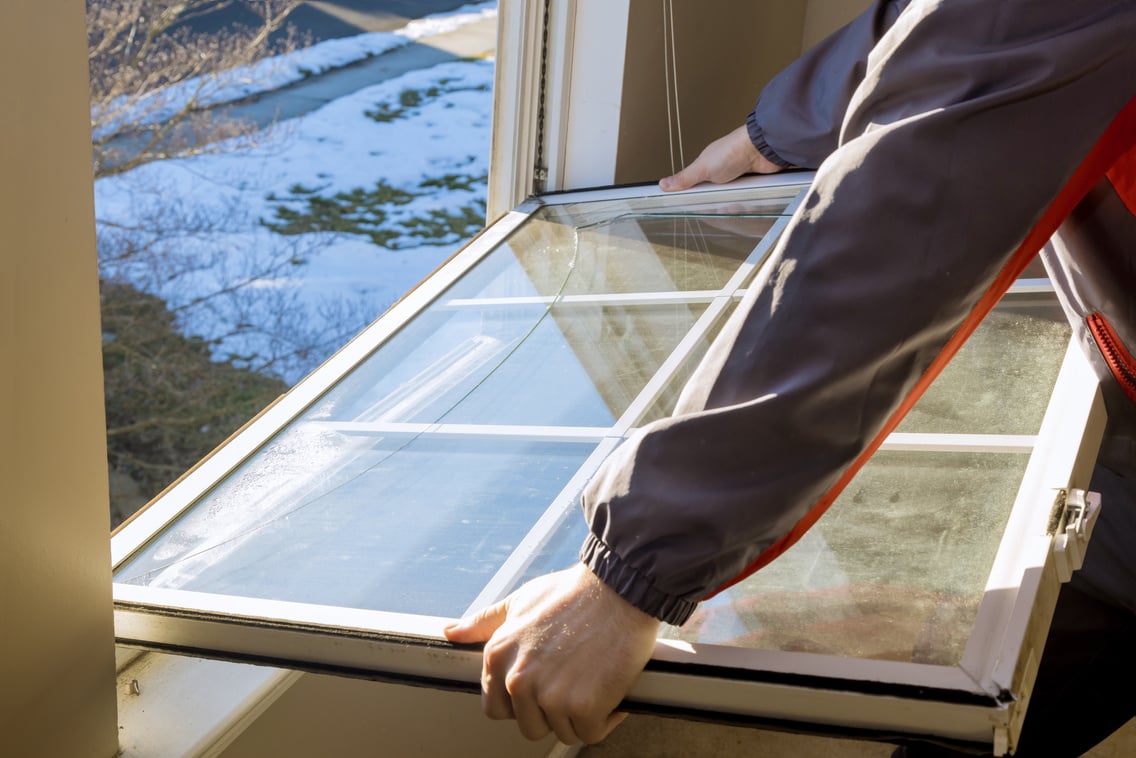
(154, 78)
(197, 334)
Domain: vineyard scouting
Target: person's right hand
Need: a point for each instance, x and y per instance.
(723, 160)
(560, 654)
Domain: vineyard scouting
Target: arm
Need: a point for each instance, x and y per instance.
(798, 116)
(959, 139)
(921, 207)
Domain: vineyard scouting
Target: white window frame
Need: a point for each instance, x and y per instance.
(982, 700)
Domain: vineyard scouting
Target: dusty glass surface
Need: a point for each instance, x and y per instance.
(1001, 379)
(895, 570)
(562, 325)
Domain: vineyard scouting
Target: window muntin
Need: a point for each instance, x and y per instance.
(410, 483)
(383, 529)
(897, 567)
(965, 697)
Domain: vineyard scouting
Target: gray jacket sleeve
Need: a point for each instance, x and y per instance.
(798, 116)
(969, 119)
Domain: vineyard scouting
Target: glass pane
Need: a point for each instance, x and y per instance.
(395, 523)
(895, 570)
(624, 246)
(344, 507)
(577, 364)
(1001, 380)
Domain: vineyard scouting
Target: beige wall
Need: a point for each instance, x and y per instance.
(822, 17)
(725, 52)
(56, 638)
(352, 718)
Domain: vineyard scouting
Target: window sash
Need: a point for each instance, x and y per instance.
(711, 679)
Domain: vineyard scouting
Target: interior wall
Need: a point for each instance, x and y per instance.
(723, 58)
(724, 53)
(822, 17)
(352, 718)
(57, 694)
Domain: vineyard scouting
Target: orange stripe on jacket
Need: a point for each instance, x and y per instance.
(1113, 155)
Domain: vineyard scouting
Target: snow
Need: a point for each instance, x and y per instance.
(257, 295)
(281, 70)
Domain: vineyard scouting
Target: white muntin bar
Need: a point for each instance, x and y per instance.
(959, 443)
(152, 519)
(629, 298)
(469, 431)
(716, 310)
(541, 533)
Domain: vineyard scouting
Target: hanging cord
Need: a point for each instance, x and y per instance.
(670, 79)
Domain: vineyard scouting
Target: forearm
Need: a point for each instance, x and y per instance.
(798, 116)
(905, 228)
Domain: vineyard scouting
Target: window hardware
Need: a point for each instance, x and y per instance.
(1075, 521)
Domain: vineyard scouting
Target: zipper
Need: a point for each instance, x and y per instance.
(1119, 360)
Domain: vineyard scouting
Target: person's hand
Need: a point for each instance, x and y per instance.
(723, 160)
(560, 654)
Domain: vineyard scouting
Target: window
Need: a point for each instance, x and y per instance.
(435, 463)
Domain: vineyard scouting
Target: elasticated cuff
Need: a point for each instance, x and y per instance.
(757, 137)
(633, 586)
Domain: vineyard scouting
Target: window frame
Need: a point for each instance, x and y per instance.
(981, 700)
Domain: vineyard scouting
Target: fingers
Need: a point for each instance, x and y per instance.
(559, 655)
(685, 179)
(496, 703)
(723, 160)
(531, 719)
(479, 627)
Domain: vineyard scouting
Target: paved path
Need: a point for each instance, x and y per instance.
(470, 41)
(325, 19)
(473, 40)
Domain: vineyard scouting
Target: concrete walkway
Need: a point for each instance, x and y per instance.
(475, 40)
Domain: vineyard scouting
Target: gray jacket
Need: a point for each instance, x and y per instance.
(944, 136)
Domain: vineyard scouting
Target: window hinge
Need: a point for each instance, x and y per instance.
(1071, 524)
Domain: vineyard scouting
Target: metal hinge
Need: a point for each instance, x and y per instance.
(1071, 524)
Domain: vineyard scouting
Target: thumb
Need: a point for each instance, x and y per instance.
(685, 179)
(478, 627)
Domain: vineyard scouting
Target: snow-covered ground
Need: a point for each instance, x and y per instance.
(305, 237)
(281, 70)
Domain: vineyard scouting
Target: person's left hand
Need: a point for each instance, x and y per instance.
(560, 654)
(723, 160)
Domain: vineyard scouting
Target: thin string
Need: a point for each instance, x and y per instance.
(674, 80)
(667, 18)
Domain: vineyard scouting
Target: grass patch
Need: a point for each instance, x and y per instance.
(369, 213)
(411, 99)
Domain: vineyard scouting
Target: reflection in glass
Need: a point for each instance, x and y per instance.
(394, 522)
(624, 246)
(563, 325)
(894, 570)
(578, 364)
